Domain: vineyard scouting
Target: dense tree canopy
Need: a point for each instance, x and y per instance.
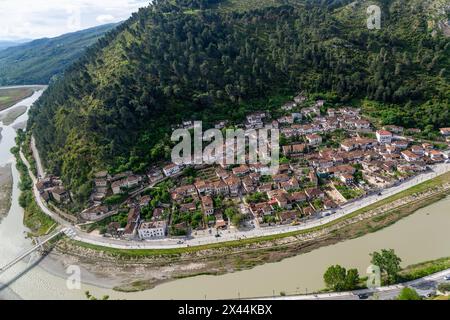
(337, 278)
(215, 59)
(388, 262)
(408, 294)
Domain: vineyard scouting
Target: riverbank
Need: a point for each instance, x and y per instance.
(423, 269)
(9, 117)
(134, 270)
(34, 219)
(9, 96)
(6, 185)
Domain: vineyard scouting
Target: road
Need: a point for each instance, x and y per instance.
(227, 236)
(39, 200)
(37, 158)
(422, 286)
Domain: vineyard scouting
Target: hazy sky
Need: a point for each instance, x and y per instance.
(32, 19)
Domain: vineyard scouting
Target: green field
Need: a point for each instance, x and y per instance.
(9, 97)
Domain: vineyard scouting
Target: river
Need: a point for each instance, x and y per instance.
(419, 237)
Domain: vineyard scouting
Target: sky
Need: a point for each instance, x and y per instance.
(33, 19)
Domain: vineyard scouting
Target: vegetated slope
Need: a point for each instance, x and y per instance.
(36, 62)
(211, 59)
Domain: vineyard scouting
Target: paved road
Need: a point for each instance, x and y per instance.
(423, 286)
(39, 200)
(226, 236)
(39, 166)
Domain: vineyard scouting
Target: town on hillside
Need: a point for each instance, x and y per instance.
(331, 156)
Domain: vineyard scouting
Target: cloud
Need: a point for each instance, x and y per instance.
(104, 18)
(50, 18)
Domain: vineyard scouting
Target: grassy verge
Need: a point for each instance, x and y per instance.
(6, 184)
(27, 152)
(424, 269)
(371, 226)
(34, 219)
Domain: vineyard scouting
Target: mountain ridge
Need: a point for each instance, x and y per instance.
(40, 60)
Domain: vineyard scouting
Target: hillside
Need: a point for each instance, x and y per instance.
(217, 59)
(36, 62)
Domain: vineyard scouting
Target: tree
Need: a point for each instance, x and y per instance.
(352, 279)
(408, 294)
(236, 220)
(337, 278)
(444, 287)
(230, 213)
(388, 262)
(89, 296)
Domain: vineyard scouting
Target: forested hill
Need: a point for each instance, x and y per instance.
(38, 61)
(213, 59)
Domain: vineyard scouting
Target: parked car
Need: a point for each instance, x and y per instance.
(363, 296)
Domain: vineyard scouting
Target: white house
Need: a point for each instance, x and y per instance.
(319, 103)
(445, 132)
(384, 136)
(289, 106)
(362, 124)
(314, 139)
(300, 98)
(207, 205)
(410, 156)
(401, 144)
(118, 186)
(172, 169)
(152, 230)
(133, 181)
(436, 155)
(418, 150)
(101, 182)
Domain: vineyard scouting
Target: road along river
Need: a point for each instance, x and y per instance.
(419, 237)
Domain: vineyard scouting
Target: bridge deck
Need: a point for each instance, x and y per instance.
(30, 251)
